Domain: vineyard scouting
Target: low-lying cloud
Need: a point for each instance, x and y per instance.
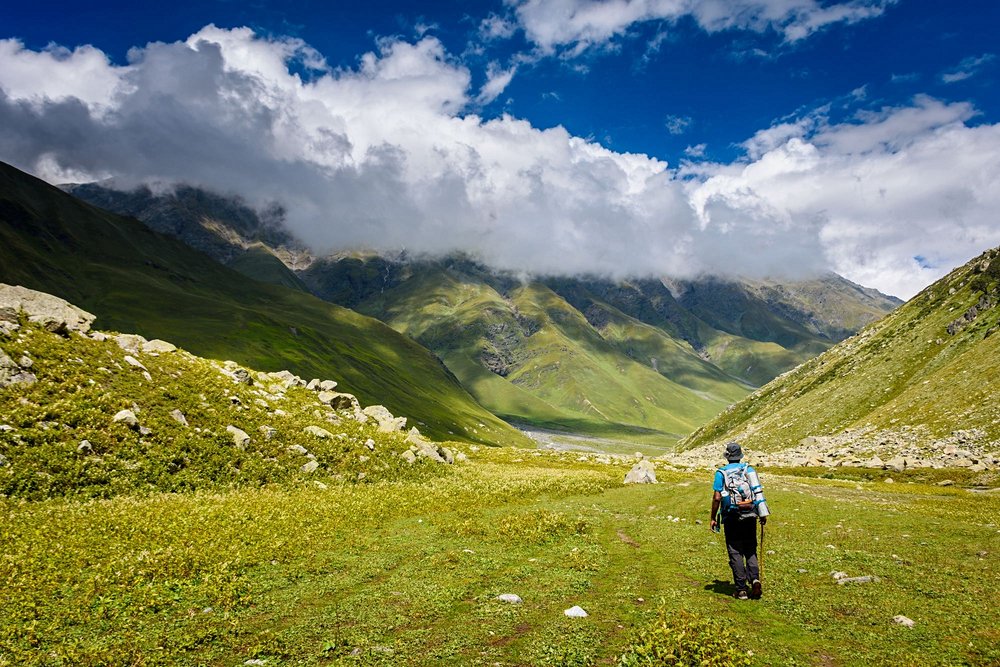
(387, 156)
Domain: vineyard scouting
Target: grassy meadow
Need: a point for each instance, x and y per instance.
(406, 572)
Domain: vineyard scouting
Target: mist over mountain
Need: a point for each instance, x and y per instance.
(649, 359)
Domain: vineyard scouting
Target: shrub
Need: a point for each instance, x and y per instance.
(685, 639)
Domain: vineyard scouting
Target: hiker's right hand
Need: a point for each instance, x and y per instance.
(763, 520)
(713, 525)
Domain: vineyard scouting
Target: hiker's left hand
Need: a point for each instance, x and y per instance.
(763, 520)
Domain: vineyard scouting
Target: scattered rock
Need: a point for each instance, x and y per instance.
(889, 480)
(243, 376)
(946, 482)
(135, 363)
(339, 401)
(839, 575)
(857, 580)
(297, 449)
(313, 384)
(409, 456)
(53, 313)
(510, 598)
(131, 343)
(575, 612)
(387, 423)
(157, 346)
(318, 432)
(179, 417)
(370, 444)
(240, 437)
(128, 418)
(642, 472)
(903, 620)
(268, 432)
(310, 466)
(85, 448)
(327, 385)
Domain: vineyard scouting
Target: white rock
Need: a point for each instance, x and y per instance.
(370, 444)
(903, 620)
(297, 449)
(179, 417)
(311, 466)
(318, 432)
(510, 597)
(132, 361)
(240, 437)
(576, 612)
(126, 417)
(158, 346)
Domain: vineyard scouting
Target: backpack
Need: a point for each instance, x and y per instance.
(736, 487)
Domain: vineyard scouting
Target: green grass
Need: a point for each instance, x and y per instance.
(406, 572)
(904, 370)
(136, 280)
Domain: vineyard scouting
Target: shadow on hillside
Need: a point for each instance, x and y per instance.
(721, 587)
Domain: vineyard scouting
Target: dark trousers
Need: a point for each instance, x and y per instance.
(741, 543)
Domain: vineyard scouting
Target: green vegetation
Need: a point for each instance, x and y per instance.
(591, 357)
(406, 572)
(83, 383)
(932, 365)
(137, 280)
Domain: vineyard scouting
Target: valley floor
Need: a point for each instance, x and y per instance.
(408, 572)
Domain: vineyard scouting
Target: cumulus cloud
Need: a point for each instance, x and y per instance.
(883, 193)
(571, 27)
(387, 155)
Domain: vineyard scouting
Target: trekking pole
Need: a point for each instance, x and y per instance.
(760, 557)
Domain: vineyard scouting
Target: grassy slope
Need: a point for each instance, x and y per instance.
(136, 280)
(83, 383)
(562, 373)
(259, 263)
(407, 573)
(904, 370)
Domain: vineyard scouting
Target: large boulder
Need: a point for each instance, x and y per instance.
(642, 472)
(53, 313)
(387, 423)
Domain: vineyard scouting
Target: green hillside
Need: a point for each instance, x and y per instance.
(137, 280)
(930, 367)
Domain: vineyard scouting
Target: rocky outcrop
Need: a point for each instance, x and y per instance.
(53, 313)
(895, 450)
(642, 472)
(387, 423)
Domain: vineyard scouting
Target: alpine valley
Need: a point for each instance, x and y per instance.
(217, 448)
(643, 361)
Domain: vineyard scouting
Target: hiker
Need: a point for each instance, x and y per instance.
(739, 496)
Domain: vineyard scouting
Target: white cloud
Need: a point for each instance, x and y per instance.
(497, 80)
(677, 124)
(573, 26)
(696, 151)
(386, 155)
(914, 181)
(968, 68)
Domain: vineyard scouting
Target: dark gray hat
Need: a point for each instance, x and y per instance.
(734, 452)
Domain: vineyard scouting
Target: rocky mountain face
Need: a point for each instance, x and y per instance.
(647, 358)
(917, 388)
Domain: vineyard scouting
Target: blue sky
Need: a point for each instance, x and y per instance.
(669, 117)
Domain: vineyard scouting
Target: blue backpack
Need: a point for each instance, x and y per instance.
(737, 492)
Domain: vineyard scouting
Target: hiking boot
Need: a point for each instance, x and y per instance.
(755, 590)
(742, 595)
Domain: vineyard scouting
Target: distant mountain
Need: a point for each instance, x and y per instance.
(135, 279)
(924, 377)
(646, 359)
